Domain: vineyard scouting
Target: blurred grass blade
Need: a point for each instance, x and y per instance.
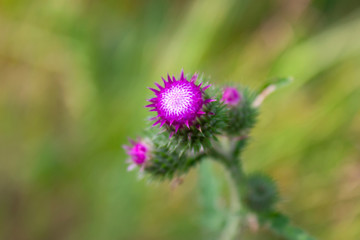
(320, 52)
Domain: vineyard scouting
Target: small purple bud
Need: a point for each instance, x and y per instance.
(231, 96)
(139, 154)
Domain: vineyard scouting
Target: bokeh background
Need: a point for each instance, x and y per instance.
(73, 78)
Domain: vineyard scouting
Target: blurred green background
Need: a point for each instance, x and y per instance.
(73, 77)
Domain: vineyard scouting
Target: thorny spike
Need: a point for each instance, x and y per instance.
(157, 122)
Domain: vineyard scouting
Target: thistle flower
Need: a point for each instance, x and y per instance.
(179, 102)
(139, 154)
(231, 96)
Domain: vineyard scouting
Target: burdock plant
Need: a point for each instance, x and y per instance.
(195, 121)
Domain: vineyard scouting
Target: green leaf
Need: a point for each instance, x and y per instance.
(280, 224)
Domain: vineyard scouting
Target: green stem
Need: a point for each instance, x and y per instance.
(237, 183)
(277, 222)
(234, 167)
(231, 228)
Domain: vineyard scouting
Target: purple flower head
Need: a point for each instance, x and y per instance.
(179, 102)
(139, 154)
(231, 96)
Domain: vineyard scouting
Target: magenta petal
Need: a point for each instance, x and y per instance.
(231, 96)
(165, 82)
(154, 90)
(206, 87)
(151, 105)
(152, 100)
(162, 123)
(209, 100)
(182, 75)
(187, 124)
(159, 86)
(177, 128)
(131, 167)
(127, 148)
(139, 153)
(194, 77)
(157, 122)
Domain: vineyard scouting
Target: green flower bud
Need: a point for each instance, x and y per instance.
(261, 193)
(167, 160)
(242, 115)
(167, 164)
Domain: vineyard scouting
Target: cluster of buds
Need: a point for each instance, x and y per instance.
(191, 114)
